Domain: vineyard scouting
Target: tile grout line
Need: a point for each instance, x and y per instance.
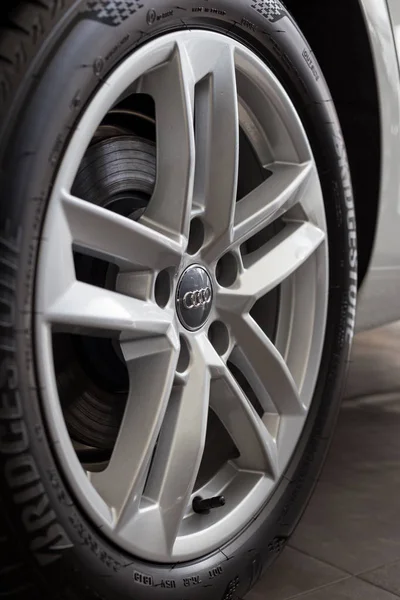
(344, 571)
(377, 586)
(386, 564)
(323, 561)
(320, 587)
(333, 583)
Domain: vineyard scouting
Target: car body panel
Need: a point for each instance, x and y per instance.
(379, 298)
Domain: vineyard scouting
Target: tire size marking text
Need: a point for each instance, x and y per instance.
(192, 581)
(309, 61)
(213, 573)
(143, 579)
(206, 9)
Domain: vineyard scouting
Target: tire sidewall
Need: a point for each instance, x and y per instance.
(70, 68)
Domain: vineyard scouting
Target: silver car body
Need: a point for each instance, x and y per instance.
(379, 299)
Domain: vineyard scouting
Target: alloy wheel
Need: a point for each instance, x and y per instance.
(200, 271)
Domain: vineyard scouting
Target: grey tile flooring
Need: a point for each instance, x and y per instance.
(375, 363)
(387, 577)
(352, 526)
(294, 573)
(353, 521)
(345, 527)
(350, 589)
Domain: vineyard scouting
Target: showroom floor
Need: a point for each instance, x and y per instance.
(348, 544)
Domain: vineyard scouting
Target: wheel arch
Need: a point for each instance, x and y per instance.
(337, 33)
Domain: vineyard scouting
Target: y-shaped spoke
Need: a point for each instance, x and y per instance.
(217, 144)
(107, 235)
(172, 88)
(282, 190)
(270, 265)
(75, 306)
(266, 366)
(151, 365)
(213, 103)
(86, 307)
(176, 461)
(257, 448)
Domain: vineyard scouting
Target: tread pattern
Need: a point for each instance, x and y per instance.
(112, 13)
(24, 30)
(272, 10)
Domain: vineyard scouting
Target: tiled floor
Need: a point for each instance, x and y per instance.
(348, 544)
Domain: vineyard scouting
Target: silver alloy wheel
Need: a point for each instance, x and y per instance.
(143, 499)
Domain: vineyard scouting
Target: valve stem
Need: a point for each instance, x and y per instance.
(204, 506)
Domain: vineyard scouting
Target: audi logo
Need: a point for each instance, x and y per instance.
(197, 299)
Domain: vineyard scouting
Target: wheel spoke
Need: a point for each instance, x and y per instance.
(57, 263)
(72, 305)
(86, 307)
(122, 483)
(118, 239)
(257, 448)
(217, 144)
(269, 266)
(177, 459)
(282, 190)
(172, 88)
(266, 367)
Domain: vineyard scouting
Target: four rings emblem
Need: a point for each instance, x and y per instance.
(194, 297)
(198, 298)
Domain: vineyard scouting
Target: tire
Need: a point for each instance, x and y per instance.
(54, 56)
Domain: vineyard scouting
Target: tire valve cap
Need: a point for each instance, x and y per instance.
(203, 507)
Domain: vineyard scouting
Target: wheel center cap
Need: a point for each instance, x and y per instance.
(194, 297)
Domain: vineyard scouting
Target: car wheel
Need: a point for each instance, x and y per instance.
(178, 278)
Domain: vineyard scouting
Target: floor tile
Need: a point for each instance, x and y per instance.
(292, 574)
(353, 519)
(350, 589)
(366, 446)
(345, 528)
(387, 577)
(375, 363)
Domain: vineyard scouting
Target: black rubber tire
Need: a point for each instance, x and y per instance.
(54, 55)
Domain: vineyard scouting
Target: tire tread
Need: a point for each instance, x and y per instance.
(23, 31)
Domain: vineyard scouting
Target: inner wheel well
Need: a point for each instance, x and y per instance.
(337, 33)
